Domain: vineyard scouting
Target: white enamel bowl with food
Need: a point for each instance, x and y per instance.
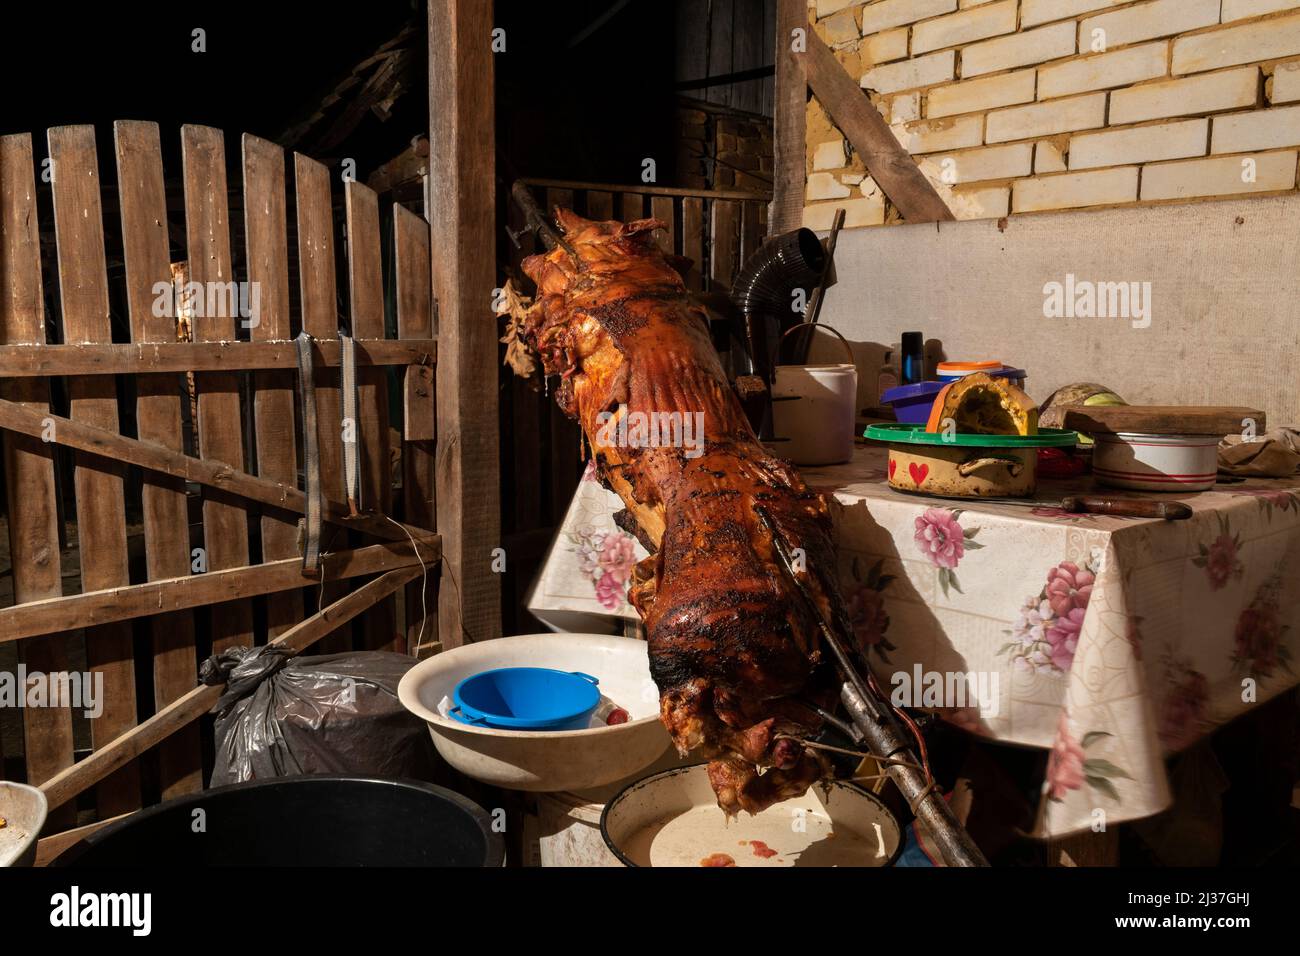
(673, 819)
(544, 760)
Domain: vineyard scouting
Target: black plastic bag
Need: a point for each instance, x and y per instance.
(282, 716)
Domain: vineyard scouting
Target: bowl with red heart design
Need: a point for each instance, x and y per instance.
(958, 465)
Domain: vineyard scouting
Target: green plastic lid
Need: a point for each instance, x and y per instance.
(917, 435)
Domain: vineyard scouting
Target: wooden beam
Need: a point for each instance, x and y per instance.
(790, 120)
(643, 189)
(207, 472)
(67, 784)
(462, 214)
(132, 358)
(129, 601)
(889, 164)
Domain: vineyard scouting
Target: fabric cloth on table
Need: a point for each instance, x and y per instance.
(1111, 642)
(582, 585)
(1275, 454)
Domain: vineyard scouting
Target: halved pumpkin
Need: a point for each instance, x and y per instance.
(982, 405)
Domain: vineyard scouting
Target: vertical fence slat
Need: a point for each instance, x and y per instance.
(29, 462)
(558, 197)
(751, 230)
(693, 239)
(225, 518)
(101, 506)
(158, 412)
(265, 232)
(366, 294)
(631, 206)
(600, 204)
(317, 282)
(725, 244)
(414, 321)
(661, 207)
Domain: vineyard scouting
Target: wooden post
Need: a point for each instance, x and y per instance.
(791, 101)
(462, 215)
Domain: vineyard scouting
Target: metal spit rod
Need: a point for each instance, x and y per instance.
(872, 716)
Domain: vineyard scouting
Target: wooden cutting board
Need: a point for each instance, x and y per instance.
(1163, 419)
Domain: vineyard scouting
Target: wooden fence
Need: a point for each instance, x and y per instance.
(168, 455)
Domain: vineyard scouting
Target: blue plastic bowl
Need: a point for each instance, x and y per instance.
(526, 698)
(911, 403)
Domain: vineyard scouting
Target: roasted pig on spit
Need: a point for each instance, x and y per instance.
(734, 647)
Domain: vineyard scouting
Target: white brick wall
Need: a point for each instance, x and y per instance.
(1140, 144)
(1248, 43)
(1104, 70)
(1004, 53)
(1075, 190)
(1016, 106)
(975, 24)
(1044, 119)
(922, 71)
(988, 93)
(1146, 21)
(892, 13)
(1260, 129)
(1228, 90)
(1225, 176)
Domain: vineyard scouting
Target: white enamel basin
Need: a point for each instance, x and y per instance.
(544, 760)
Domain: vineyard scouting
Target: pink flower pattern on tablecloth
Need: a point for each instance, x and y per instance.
(606, 557)
(944, 542)
(1069, 767)
(866, 606)
(1220, 557)
(1258, 646)
(1047, 629)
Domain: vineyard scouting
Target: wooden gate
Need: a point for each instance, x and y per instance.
(133, 419)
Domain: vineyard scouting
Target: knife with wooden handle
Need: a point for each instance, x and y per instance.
(1113, 506)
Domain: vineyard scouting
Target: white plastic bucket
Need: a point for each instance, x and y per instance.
(814, 409)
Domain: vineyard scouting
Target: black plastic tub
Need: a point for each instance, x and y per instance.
(300, 821)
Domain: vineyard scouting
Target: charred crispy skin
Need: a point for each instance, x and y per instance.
(734, 649)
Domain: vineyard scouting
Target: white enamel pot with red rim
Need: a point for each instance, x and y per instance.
(1156, 462)
(814, 407)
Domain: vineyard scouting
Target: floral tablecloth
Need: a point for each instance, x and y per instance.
(1114, 642)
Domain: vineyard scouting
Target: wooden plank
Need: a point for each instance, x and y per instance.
(557, 199)
(462, 213)
(143, 201)
(693, 240)
(419, 479)
(661, 207)
(889, 164)
(1216, 420)
(366, 294)
(317, 281)
(72, 781)
(600, 204)
(123, 358)
(751, 230)
(205, 471)
(265, 232)
(789, 121)
(225, 520)
(101, 506)
(116, 604)
(579, 185)
(49, 848)
(631, 206)
(724, 242)
(29, 462)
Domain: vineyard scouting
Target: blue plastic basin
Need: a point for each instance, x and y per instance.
(526, 698)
